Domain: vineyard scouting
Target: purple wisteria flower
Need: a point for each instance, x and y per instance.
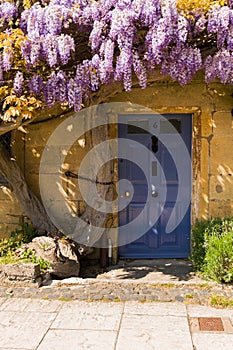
(51, 90)
(219, 66)
(75, 95)
(124, 68)
(7, 58)
(230, 3)
(125, 37)
(182, 63)
(200, 25)
(106, 63)
(8, 10)
(83, 81)
(62, 87)
(34, 21)
(35, 53)
(50, 49)
(94, 72)
(94, 79)
(66, 3)
(140, 70)
(18, 84)
(26, 50)
(36, 85)
(96, 34)
(65, 45)
(230, 39)
(150, 11)
(53, 18)
(183, 25)
(71, 92)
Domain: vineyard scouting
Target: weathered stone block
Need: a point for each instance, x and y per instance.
(38, 135)
(221, 187)
(222, 95)
(221, 209)
(21, 271)
(223, 123)
(220, 155)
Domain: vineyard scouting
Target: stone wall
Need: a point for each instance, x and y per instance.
(211, 107)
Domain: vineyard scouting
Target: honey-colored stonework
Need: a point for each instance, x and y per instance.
(211, 106)
(10, 212)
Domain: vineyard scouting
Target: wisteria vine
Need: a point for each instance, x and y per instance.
(124, 38)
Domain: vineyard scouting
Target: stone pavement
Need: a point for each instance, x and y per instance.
(115, 290)
(135, 305)
(159, 280)
(37, 324)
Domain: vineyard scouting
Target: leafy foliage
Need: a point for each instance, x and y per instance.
(212, 248)
(218, 262)
(198, 247)
(62, 50)
(189, 6)
(16, 239)
(29, 256)
(221, 301)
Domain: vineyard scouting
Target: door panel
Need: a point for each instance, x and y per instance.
(160, 163)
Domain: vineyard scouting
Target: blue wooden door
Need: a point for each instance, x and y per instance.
(155, 183)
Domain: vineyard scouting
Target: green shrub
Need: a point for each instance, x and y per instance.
(218, 262)
(198, 248)
(212, 248)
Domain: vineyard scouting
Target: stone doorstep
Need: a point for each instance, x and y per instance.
(211, 324)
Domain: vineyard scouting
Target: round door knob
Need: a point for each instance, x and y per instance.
(154, 193)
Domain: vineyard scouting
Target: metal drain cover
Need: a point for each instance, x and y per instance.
(210, 324)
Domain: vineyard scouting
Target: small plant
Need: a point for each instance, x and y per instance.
(220, 300)
(29, 256)
(16, 239)
(212, 249)
(189, 296)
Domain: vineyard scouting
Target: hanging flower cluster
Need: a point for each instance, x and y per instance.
(8, 11)
(124, 38)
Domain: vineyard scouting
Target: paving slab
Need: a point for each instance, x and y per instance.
(23, 329)
(78, 340)
(36, 324)
(2, 300)
(91, 316)
(154, 326)
(164, 324)
(159, 309)
(30, 305)
(209, 341)
(138, 339)
(207, 311)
